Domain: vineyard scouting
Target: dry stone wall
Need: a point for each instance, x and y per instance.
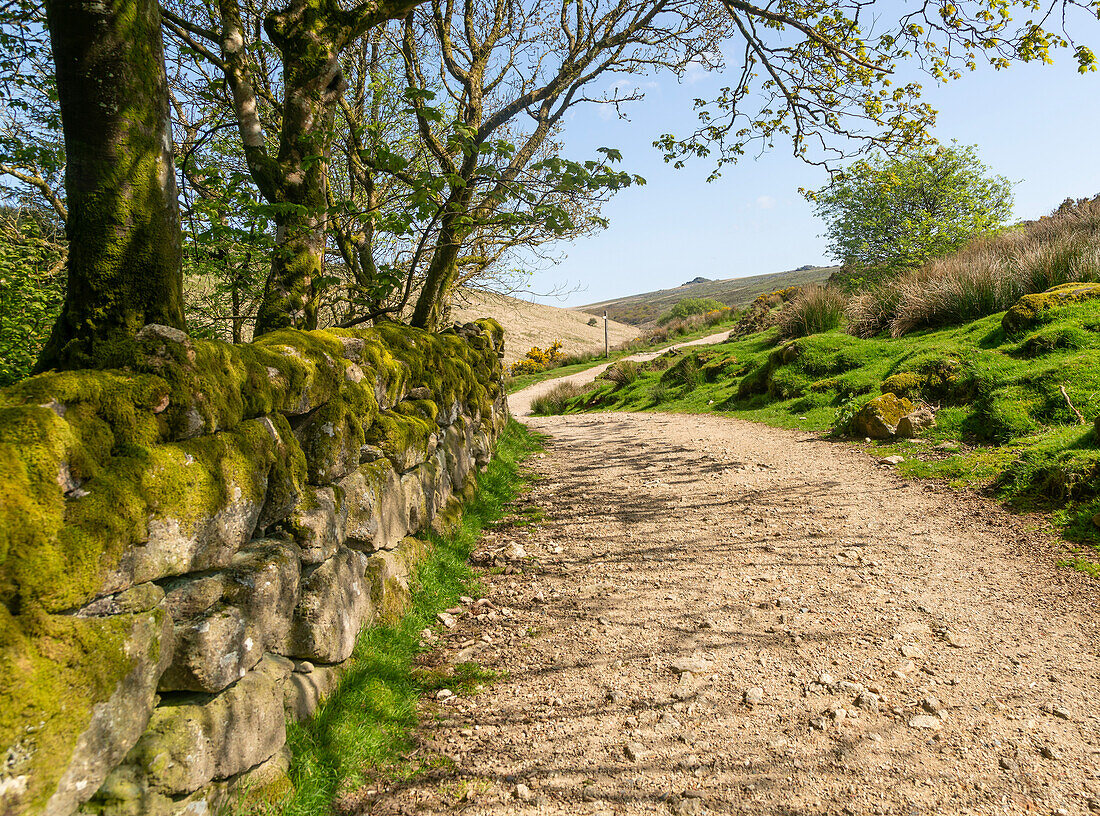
(191, 542)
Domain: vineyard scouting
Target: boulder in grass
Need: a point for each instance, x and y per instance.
(914, 424)
(880, 417)
(1030, 309)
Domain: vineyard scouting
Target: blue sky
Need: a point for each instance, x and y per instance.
(1037, 125)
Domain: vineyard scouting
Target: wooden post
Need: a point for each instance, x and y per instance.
(606, 346)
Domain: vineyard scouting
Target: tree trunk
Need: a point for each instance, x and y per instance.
(310, 43)
(297, 263)
(441, 272)
(125, 265)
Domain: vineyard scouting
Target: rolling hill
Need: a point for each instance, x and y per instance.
(533, 324)
(645, 308)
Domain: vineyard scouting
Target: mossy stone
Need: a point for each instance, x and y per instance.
(1033, 309)
(906, 384)
(879, 418)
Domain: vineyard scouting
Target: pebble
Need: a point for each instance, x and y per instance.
(1061, 713)
(891, 460)
(956, 640)
(1008, 764)
(444, 694)
(303, 667)
(694, 665)
(447, 619)
(635, 751)
(515, 551)
(932, 705)
(686, 806)
(867, 701)
(825, 679)
(1048, 752)
(754, 696)
(949, 447)
(686, 688)
(690, 762)
(926, 721)
(915, 652)
(523, 793)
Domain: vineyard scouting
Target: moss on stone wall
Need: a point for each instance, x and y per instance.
(54, 669)
(170, 463)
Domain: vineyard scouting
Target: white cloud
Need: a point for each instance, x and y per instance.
(765, 202)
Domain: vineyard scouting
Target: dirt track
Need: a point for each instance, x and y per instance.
(854, 643)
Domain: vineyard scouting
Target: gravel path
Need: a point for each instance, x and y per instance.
(720, 617)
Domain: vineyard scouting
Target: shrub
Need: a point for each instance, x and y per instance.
(592, 321)
(988, 276)
(557, 399)
(688, 307)
(622, 373)
(814, 310)
(537, 359)
(760, 314)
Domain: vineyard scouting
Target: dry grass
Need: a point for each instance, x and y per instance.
(986, 277)
(554, 401)
(813, 310)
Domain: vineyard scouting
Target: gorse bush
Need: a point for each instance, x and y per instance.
(538, 359)
(986, 277)
(814, 310)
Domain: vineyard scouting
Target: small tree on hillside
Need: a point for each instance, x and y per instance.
(887, 215)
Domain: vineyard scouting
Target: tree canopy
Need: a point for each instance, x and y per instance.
(339, 163)
(886, 215)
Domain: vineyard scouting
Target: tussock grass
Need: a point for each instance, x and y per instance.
(555, 400)
(622, 373)
(987, 276)
(361, 732)
(814, 310)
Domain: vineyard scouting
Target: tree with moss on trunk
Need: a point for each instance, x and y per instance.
(124, 267)
(308, 37)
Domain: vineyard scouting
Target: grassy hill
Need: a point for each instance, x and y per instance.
(647, 307)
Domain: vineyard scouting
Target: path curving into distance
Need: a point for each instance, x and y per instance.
(721, 617)
(520, 402)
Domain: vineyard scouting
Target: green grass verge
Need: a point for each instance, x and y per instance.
(998, 397)
(361, 731)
